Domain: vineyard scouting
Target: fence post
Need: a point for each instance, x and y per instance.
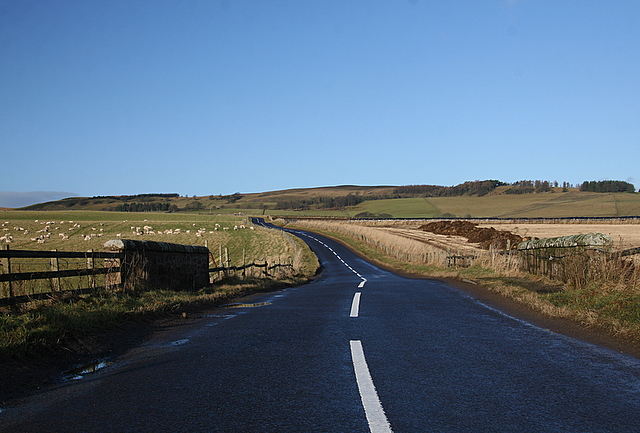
(244, 258)
(91, 265)
(55, 282)
(7, 270)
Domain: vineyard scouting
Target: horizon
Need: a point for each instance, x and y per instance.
(214, 97)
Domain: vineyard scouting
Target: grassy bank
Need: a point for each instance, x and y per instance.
(55, 326)
(603, 293)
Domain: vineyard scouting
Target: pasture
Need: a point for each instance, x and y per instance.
(84, 230)
(232, 239)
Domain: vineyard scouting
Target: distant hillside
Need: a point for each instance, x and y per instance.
(489, 198)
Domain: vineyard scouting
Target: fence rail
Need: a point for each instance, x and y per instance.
(33, 254)
(54, 275)
(250, 265)
(47, 275)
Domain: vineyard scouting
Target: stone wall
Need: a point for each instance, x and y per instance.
(160, 265)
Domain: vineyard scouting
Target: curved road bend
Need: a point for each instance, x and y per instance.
(358, 350)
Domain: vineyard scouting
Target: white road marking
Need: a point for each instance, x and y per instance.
(335, 254)
(355, 305)
(372, 407)
(361, 285)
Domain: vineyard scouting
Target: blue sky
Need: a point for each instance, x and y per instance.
(216, 97)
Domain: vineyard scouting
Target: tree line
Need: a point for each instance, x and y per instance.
(146, 207)
(478, 188)
(320, 202)
(607, 186)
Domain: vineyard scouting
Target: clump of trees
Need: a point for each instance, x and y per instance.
(529, 187)
(478, 188)
(320, 202)
(607, 186)
(139, 197)
(145, 207)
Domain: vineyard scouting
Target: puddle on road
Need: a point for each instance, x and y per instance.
(78, 373)
(240, 305)
(220, 316)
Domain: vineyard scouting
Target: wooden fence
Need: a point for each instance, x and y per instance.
(226, 270)
(16, 295)
(573, 257)
(13, 294)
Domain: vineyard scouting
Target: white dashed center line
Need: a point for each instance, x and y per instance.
(355, 305)
(372, 407)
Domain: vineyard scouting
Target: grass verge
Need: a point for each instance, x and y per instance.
(48, 326)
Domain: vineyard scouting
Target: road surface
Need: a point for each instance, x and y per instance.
(359, 349)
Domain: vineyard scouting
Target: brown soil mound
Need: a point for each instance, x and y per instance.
(486, 237)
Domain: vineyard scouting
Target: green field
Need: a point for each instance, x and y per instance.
(398, 208)
(91, 229)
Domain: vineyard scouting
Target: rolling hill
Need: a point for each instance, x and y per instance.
(349, 201)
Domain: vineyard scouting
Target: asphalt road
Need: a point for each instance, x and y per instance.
(358, 350)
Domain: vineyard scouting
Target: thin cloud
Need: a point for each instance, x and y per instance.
(14, 199)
